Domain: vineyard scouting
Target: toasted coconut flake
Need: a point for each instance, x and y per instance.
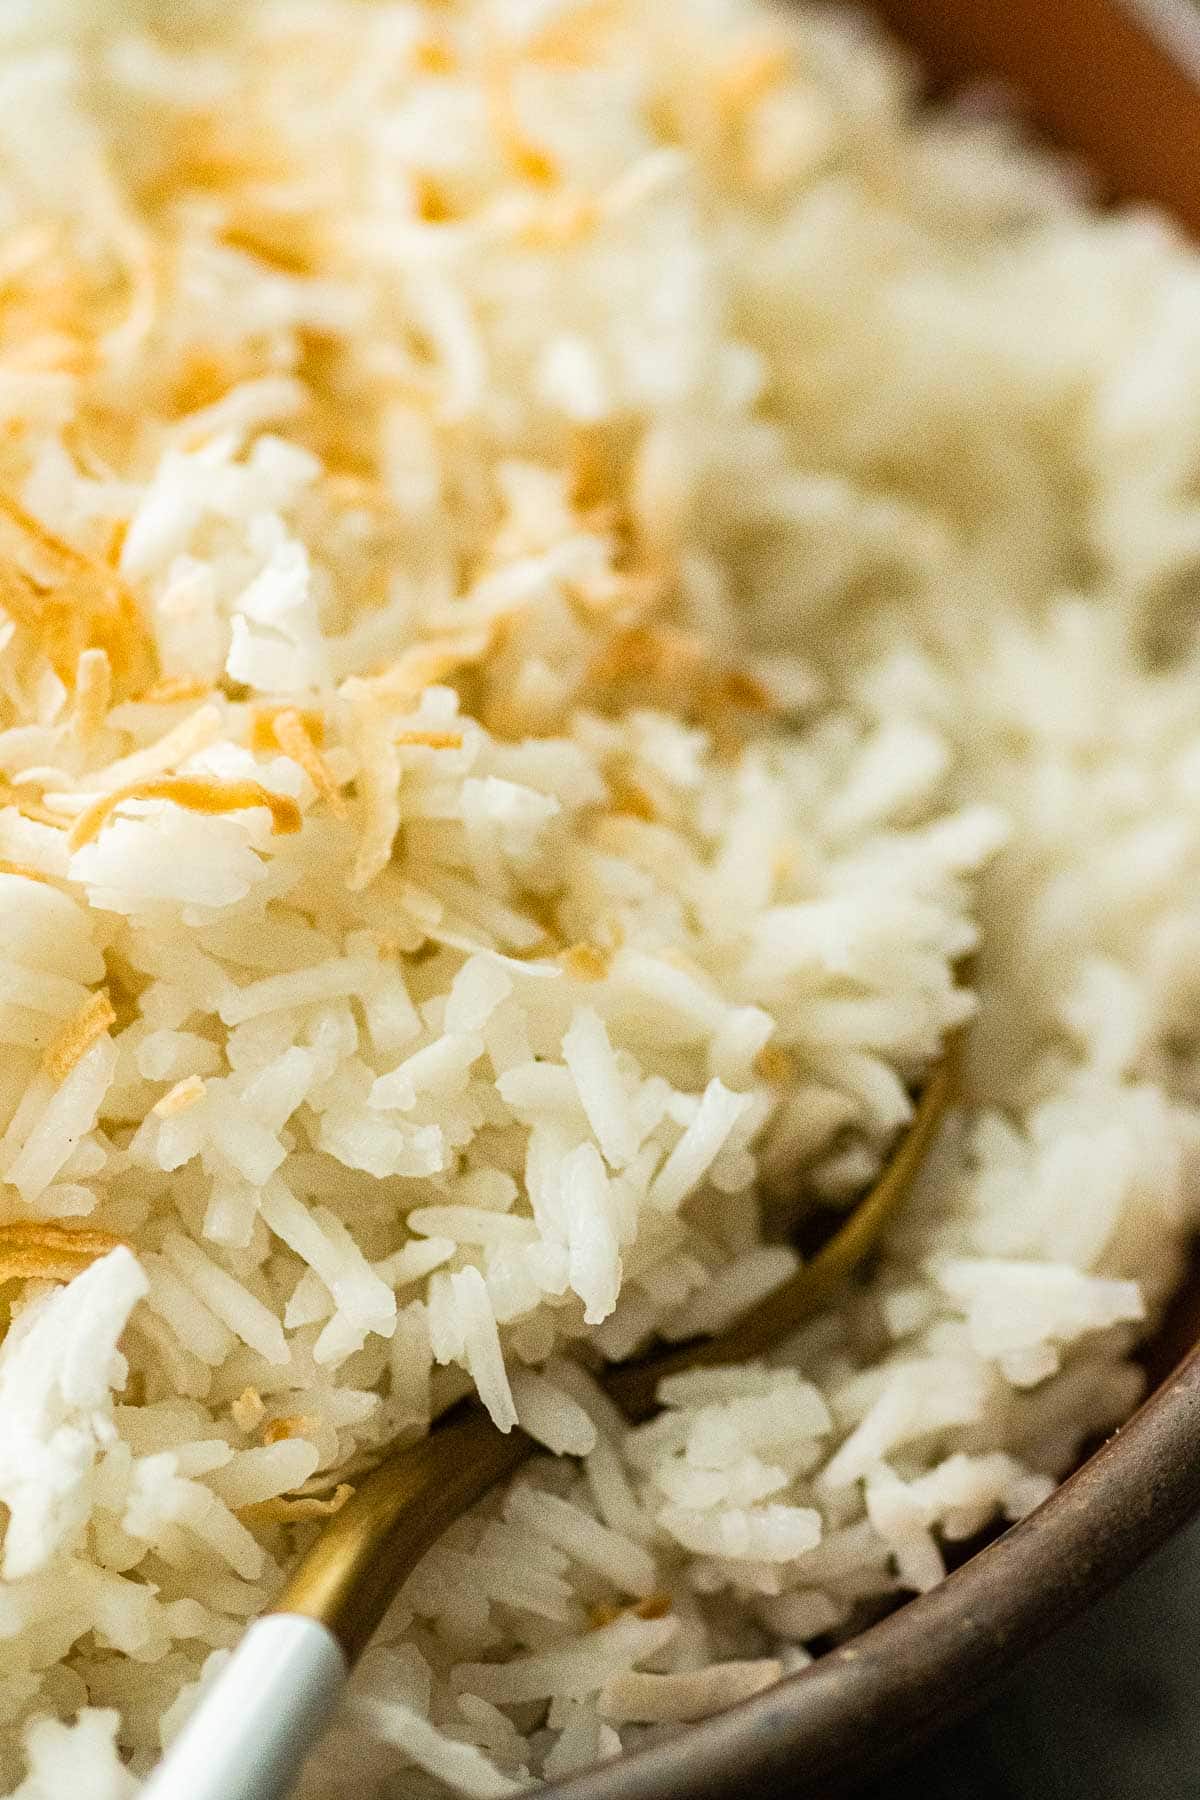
(198, 793)
(434, 56)
(37, 1252)
(657, 659)
(776, 1065)
(93, 694)
(184, 1094)
(378, 783)
(23, 248)
(345, 488)
(741, 689)
(631, 798)
(287, 1509)
(571, 38)
(592, 468)
(203, 376)
(78, 1034)
(432, 740)
(248, 1410)
(40, 554)
(760, 66)
(50, 353)
(26, 872)
(654, 1606)
(564, 219)
(264, 736)
(293, 1426)
(649, 652)
(82, 614)
(531, 161)
(116, 542)
(18, 596)
(541, 950)
(287, 238)
(142, 277)
(526, 158)
(403, 682)
(30, 807)
(585, 962)
(190, 735)
(72, 602)
(623, 596)
(295, 739)
(173, 688)
(430, 201)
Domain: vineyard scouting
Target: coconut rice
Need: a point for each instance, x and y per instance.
(562, 563)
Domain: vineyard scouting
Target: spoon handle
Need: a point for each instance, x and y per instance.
(256, 1723)
(249, 1736)
(349, 1576)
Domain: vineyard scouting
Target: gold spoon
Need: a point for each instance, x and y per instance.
(249, 1737)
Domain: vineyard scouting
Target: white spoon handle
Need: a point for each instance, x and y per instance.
(250, 1734)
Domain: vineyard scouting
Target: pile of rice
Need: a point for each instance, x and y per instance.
(561, 562)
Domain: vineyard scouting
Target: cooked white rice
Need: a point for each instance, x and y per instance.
(559, 563)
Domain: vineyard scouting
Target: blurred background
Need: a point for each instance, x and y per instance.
(1107, 1711)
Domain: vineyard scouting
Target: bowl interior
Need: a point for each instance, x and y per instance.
(1117, 81)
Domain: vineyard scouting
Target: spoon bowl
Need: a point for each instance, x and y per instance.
(249, 1736)
(348, 1577)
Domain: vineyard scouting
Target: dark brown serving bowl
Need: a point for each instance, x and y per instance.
(1119, 82)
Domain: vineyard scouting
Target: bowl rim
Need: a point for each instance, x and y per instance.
(855, 1712)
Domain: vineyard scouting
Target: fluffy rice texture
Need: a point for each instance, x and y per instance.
(560, 565)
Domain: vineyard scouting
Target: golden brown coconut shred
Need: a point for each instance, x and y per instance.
(70, 603)
(79, 1034)
(173, 689)
(93, 694)
(26, 801)
(287, 1509)
(295, 736)
(198, 793)
(186, 1093)
(35, 1252)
